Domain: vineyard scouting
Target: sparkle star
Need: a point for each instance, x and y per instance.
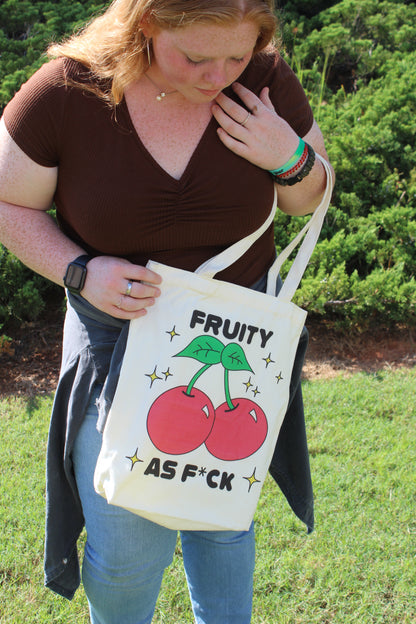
(172, 333)
(167, 374)
(248, 384)
(153, 376)
(134, 459)
(279, 377)
(268, 360)
(256, 391)
(252, 480)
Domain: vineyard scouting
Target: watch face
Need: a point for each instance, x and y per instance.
(75, 277)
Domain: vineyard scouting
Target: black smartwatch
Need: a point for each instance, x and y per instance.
(76, 273)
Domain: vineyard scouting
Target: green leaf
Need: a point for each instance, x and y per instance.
(206, 349)
(234, 358)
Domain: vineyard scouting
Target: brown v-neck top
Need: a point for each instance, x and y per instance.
(113, 198)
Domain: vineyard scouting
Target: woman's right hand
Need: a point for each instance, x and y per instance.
(120, 288)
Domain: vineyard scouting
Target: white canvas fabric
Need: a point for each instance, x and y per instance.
(203, 391)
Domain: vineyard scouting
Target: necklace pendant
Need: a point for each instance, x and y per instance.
(162, 94)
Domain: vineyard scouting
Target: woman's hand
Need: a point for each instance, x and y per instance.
(120, 288)
(260, 136)
(266, 140)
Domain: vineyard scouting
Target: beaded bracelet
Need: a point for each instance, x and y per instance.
(292, 161)
(306, 169)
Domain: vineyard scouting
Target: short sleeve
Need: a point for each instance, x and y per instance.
(290, 99)
(34, 117)
(286, 92)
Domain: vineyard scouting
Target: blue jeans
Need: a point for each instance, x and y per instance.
(126, 555)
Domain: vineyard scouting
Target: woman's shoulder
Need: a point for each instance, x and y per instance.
(269, 69)
(48, 84)
(34, 117)
(56, 74)
(264, 69)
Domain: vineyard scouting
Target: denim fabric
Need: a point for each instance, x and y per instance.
(126, 555)
(93, 349)
(88, 344)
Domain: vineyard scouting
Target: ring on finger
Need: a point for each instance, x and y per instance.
(128, 289)
(243, 123)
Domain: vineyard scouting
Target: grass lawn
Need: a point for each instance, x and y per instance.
(359, 566)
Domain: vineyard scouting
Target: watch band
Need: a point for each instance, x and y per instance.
(76, 273)
(82, 260)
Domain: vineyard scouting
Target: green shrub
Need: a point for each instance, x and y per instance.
(27, 28)
(307, 8)
(22, 292)
(349, 42)
(356, 60)
(362, 271)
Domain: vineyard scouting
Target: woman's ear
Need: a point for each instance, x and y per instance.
(147, 27)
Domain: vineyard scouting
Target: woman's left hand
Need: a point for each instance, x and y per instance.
(260, 136)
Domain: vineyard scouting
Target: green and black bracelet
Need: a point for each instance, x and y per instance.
(280, 175)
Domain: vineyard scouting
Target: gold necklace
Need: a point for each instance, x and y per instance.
(162, 94)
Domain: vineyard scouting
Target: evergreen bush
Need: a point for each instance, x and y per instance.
(356, 60)
(363, 269)
(27, 28)
(23, 293)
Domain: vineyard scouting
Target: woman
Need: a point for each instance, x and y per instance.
(159, 132)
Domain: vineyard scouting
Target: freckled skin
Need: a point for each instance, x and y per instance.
(207, 58)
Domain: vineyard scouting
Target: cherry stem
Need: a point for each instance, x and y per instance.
(196, 377)
(227, 389)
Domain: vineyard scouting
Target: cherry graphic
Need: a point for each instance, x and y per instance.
(238, 432)
(240, 427)
(181, 419)
(179, 422)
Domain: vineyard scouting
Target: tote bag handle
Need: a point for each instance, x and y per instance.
(310, 231)
(226, 258)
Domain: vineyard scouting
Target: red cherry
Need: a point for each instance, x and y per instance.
(178, 423)
(237, 433)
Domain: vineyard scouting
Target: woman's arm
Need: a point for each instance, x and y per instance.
(268, 141)
(304, 197)
(26, 193)
(30, 233)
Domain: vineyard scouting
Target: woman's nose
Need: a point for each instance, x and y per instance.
(216, 75)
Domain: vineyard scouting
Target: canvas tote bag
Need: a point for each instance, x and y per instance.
(203, 390)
